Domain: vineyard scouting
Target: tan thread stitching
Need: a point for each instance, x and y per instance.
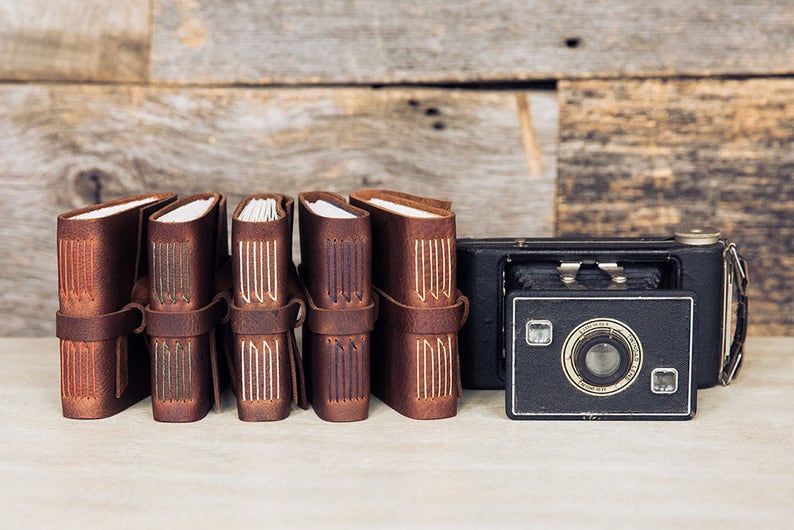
(434, 378)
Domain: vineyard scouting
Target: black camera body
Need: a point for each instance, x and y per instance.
(635, 318)
(576, 354)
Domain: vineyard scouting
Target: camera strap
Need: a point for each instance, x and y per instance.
(736, 278)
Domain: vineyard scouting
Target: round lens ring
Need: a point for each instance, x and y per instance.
(601, 356)
(602, 359)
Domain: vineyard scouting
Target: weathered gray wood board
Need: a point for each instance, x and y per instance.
(371, 41)
(491, 153)
(65, 40)
(640, 157)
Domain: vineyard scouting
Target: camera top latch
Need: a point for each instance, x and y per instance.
(615, 272)
(568, 270)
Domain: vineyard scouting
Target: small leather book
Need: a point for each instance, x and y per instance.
(187, 247)
(336, 257)
(267, 305)
(101, 256)
(416, 369)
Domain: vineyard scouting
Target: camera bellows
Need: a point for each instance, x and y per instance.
(539, 275)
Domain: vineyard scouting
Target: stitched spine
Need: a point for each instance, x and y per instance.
(434, 369)
(345, 273)
(433, 267)
(76, 268)
(345, 369)
(171, 271)
(260, 371)
(78, 369)
(258, 270)
(173, 371)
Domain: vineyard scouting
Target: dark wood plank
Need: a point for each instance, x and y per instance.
(370, 41)
(64, 40)
(65, 146)
(640, 157)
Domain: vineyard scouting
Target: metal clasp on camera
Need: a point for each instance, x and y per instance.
(570, 269)
(568, 272)
(733, 348)
(615, 272)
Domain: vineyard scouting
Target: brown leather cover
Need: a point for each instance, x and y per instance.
(336, 258)
(267, 302)
(185, 309)
(416, 369)
(104, 365)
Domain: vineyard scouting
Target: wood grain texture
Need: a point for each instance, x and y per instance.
(370, 41)
(62, 147)
(641, 157)
(730, 467)
(65, 40)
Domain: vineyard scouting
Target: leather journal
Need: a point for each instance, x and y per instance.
(336, 257)
(267, 306)
(187, 247)
(101, 292)
(416, 368)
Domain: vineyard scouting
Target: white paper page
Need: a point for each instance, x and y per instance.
(326, 209)
(187, 212)
(110, 210)
(259, 210)
(403, 210)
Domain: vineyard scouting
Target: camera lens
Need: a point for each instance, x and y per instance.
(602, 356)
(602, 359)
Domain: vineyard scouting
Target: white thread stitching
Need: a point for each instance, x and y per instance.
(242, 367)
(278, 374)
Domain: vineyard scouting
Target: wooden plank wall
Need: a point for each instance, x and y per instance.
(644, 156)
(64, 146)
(375, 41)
(535, 118)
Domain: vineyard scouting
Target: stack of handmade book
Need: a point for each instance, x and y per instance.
(152, 303)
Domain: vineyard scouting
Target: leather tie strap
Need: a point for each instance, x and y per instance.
(424, 320)
(337, 321)
(341, 321)
(188, 323)
(268, 321)
(296, 372)
(130, 318)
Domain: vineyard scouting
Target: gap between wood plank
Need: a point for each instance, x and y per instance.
(504, 85)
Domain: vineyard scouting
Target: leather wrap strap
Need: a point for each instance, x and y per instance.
(338, 321)
(268, 321)
(188, 323)
(130, 318)
(341, 321)
(423, 320)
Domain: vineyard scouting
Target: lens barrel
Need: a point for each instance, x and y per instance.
(602, 356)
(603, 359)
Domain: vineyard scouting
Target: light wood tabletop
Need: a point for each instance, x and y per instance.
(732, 466)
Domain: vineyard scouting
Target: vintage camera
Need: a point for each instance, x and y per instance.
(602, 328)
